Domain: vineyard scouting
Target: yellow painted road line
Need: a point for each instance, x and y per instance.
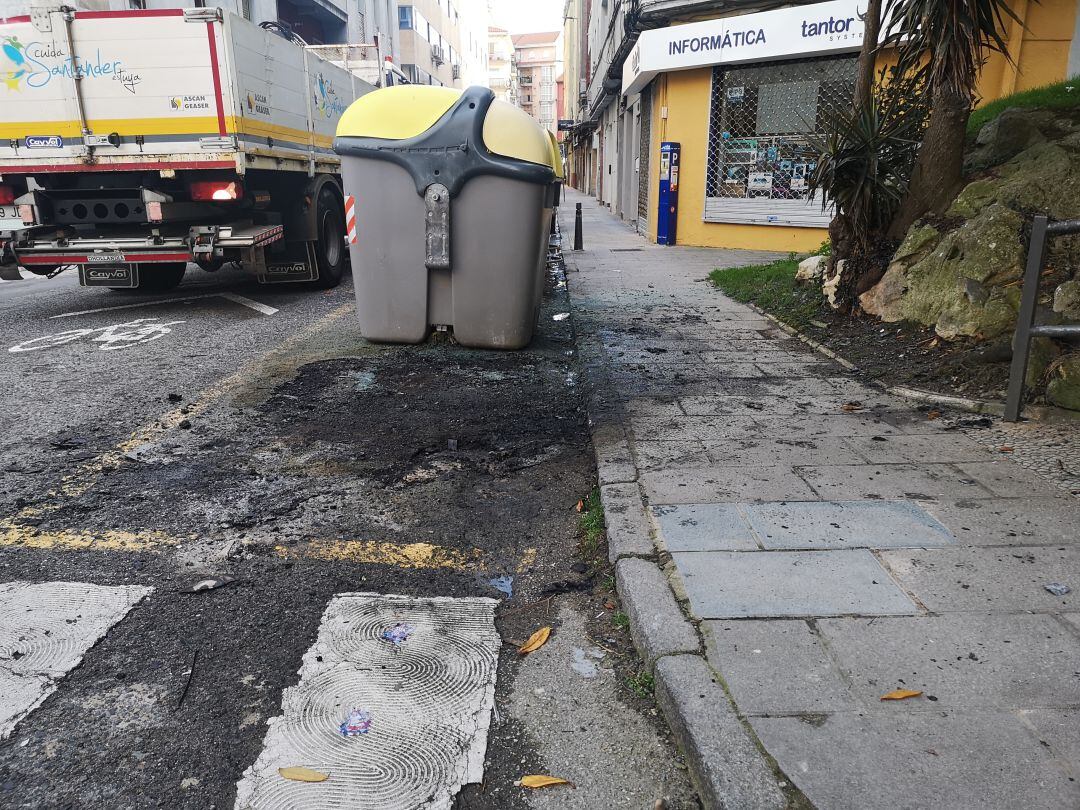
(400, 555)
(13, 536)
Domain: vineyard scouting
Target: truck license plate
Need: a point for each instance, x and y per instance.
(9, 213)
(109, 275)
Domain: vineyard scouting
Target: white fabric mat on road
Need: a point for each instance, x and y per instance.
(45, 629)
(416, 679)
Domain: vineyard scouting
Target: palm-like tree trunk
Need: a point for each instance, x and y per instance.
(939, 169)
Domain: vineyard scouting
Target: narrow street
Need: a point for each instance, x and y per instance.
(249, 436)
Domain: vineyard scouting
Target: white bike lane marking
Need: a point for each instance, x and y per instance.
(45, 629)
(393, 706)
(228, 296)
(115, 336)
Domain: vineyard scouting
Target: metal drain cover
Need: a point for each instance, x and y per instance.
(45, 629)
(393, 704)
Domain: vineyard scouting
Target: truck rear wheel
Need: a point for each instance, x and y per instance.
(330, 246)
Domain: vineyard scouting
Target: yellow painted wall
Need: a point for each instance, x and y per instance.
(1041, 55)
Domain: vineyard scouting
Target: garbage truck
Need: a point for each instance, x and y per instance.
(135, 143)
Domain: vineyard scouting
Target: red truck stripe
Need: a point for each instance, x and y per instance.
(215, 69)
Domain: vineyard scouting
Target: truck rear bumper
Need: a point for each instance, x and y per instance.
(49, 247)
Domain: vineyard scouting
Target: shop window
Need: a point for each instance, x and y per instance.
(759, 155)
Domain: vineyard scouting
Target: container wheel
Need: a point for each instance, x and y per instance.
(330, 246)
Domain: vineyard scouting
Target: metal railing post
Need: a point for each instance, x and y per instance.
(1026, 319)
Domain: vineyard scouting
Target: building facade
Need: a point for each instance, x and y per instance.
(502, 68)
(444, 42)
(743, 91)
(538, 62)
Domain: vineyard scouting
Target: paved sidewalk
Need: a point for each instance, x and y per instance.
(792, 544)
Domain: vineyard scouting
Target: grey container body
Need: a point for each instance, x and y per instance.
(498, 246)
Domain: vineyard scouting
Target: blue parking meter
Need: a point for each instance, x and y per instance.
(668, 213)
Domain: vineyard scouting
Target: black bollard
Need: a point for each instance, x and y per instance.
(578, 241)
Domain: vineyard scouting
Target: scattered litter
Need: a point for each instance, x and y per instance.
(298, 774)
(561, 316)
(358, 722)
(566, 586)
(535, 781)
(536, 641)
(176, 398)
(398, 634)
(933, 415)
(583, 664)
(503, 584)
(1005, 449)
(819, 324)
(362, 380)
(1057, 588)
(451, 445)
(901, 694)
(854, 405)
(210, 583)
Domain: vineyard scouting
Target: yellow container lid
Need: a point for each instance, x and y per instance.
(556, 156)
(406, 111)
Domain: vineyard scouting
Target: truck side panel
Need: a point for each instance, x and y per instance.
(150, 77)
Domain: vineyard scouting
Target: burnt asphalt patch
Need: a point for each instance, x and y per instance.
(482, 454)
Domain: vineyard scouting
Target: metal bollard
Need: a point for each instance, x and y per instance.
(578, 241)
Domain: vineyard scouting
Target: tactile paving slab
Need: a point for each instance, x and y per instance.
(421, 671)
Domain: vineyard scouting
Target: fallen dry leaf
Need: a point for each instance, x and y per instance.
(298, 774)
(1005, 448)
(540, 781)
(536, 641)
(854, 405)
(580, 506)
(933, 415)
(901, 694)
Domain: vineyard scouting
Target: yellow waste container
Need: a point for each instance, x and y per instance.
(452, 194)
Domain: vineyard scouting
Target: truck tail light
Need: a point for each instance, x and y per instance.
(7, 195)
(216, 190)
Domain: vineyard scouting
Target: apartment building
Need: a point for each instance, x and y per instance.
(444, 42)
(502, 69)
(744, 88)
(538, 59)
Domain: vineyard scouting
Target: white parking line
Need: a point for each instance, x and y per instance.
(236, 299)
(45, 629)
(393, 706)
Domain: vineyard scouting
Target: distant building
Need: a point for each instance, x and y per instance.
(502, 72)
(538, 59)
(444, 42)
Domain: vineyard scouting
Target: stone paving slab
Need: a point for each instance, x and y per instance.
(776, 667)
(845, 524)
(733, 584)
(717, 484)
(760, 451)
(988, 579)
(1008, 479)
(918, 449)
(959, 660)
(927, 482)
(652, 455)
(942, 761)
(1000, 521)
(704, 527)
(676, 428)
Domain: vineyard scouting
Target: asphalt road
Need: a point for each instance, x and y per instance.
(231, 430)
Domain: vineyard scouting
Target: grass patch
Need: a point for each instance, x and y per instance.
(772, 287)
(620, 620)
(641, 684)
(1052, 96)
(591, 525)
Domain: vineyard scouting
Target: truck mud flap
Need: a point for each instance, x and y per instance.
(10, 272)
(290, 272)
(116, 276)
